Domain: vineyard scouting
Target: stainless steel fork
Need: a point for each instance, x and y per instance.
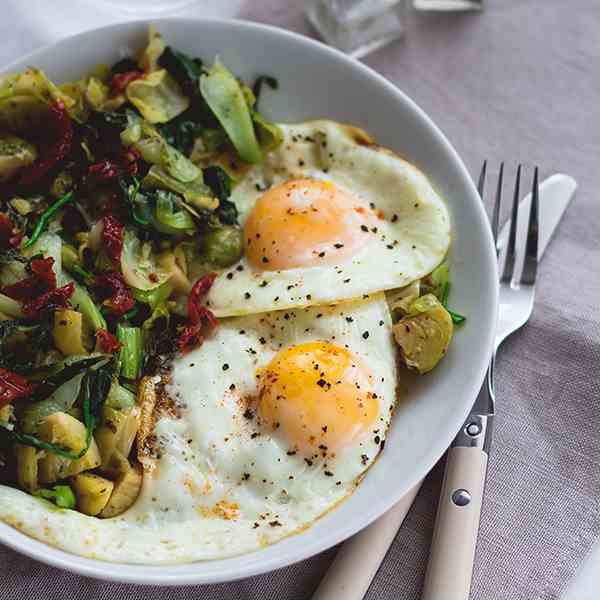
(450, 567)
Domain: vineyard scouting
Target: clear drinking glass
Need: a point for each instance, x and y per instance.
(150, 6)
(448, 5)
(357, 26)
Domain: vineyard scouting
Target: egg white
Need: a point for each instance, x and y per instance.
(223, 485)
(408, 242)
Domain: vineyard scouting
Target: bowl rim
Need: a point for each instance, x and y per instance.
(181, 574)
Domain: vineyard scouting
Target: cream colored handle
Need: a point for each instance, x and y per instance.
(359, 558)
(452, 551)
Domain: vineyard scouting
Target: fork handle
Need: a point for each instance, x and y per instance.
(452, 553)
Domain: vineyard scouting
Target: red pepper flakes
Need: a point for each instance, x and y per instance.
(107, 342)
(105, 170)
(13, 387)
(112, 237)
(42, 280)
(120, 81)
(61, 128)
(52, 300)
(10, 236)
(201, 318)
(117, 294)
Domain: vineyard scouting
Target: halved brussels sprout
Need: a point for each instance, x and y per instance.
(400, 299)
(169, 218)
(61, 400)
(68, 332)
(64, 430)
(92, 491)
(15, 154)
(225, 97)
(424, 334)
(126, 490)
(27, 467)
(156, 46)
(116, 432)
(157, 96)
(222, 247)
(139, 266)
(181, 284)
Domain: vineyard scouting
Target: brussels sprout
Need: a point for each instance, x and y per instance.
(424, 334)
(15, 154)
(96, 93)
(225, 97)
(139, 266)
(157, 96)
(116, 432)
(222, 247)
(92, 491)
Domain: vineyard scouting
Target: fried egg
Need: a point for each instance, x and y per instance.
(271, 423)
(329, 217)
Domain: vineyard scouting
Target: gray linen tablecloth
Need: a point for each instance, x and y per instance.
(519, 82)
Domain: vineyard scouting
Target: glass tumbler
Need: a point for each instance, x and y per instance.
(357, 26)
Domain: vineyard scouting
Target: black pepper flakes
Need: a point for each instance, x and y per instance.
(225, 367)
(308, 462)
(365, 335)
(328, 473)
(364, 228)
(247, 295)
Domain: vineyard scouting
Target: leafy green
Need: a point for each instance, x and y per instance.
(45, 218)
(185, 70)
(225, 97)
(217, 179)
(61, 495)
(260, 81)
(155, 297)
(169, 220)
(181, 132)
(82, 301)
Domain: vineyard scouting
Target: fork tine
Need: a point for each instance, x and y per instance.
(531, 249)
(509, 263)
(496, 211)
(481, 182)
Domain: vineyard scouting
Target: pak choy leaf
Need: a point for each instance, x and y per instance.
(185, 70)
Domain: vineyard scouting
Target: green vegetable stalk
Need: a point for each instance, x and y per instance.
(131, 353)
(61, 495)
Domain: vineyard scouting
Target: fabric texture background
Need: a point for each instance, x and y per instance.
(518, 82)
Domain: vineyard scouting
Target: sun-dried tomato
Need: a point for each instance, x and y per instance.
(61, 129)
(52, 300)
(105, 170)
(42, 280)
(117, 295)
(131, 158)
(199, 290)
(201, 318)
(13, 387)
(10, 236)
(107, 342)
(112, 237)
(120, 81)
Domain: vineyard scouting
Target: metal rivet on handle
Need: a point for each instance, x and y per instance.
(461, 497)
(473, 429)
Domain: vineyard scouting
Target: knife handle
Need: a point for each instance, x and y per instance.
(360, 557)
(450, 566)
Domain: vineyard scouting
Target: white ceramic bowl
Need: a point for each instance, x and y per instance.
(316, 81)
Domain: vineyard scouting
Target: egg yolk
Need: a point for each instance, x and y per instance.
(302, 223)
(318, 396)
